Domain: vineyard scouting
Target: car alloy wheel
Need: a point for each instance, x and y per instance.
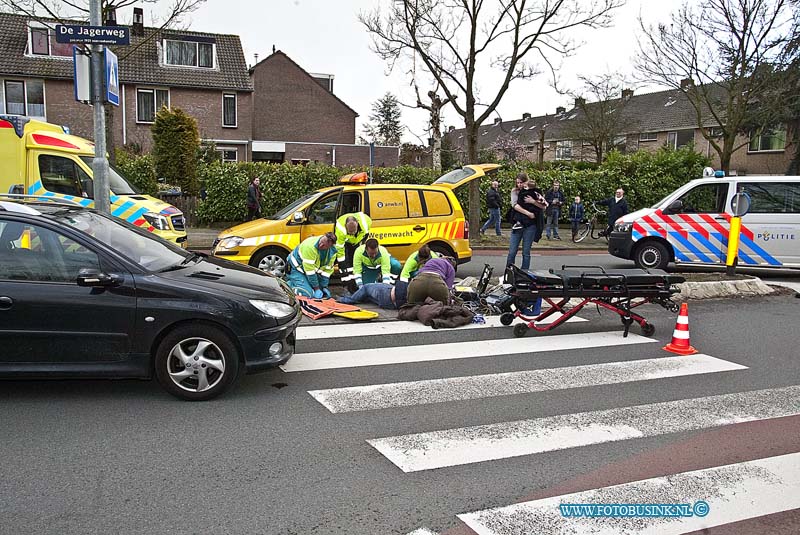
(196, 364)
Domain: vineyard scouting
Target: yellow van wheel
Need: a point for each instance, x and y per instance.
(443, 249)
(270, 260)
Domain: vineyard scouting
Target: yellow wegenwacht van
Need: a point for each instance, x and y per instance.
(404, 218)
(42, 159)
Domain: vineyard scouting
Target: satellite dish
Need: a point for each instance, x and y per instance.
(708, 171)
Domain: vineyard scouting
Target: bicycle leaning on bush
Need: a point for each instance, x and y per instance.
(593, 227)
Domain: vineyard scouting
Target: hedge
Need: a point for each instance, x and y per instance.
(646, 178)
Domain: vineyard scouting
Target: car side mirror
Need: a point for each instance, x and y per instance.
(94, 278)
(675, 207)
(298, 217)
(88, 188)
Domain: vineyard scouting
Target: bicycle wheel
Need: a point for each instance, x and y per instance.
(584, 229)
(598, 231)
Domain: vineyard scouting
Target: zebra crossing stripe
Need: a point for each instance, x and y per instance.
(347, 330)
(732, 492)
(459, 350)
(453, 447)
(362, 398)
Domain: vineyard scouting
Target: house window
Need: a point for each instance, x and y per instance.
(229, 155)
(189, 54)
(648, 136)
(564, 150)
(768, 139)
(24, 97)
(680, 138)
(43, 43)
(229, 109)
(149, 102)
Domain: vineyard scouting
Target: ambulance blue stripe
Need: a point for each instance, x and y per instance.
(690, 246)
(758, 250)
(137, 214)
(126, 206)
(86, 202)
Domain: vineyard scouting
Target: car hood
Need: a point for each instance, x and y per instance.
(633, 216)
(221, 276)
(256, 227)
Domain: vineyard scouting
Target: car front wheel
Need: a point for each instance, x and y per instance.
(196, 362)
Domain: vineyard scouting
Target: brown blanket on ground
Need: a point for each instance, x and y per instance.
(435, 314)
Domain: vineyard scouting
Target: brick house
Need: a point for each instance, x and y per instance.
(650, 121)
(204, 74)
(297, 118)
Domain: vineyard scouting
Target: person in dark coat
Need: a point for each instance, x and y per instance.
(576, 213)
(493, 204)
(617, 207)
(555, 199)
(254, 199)
(528, 221)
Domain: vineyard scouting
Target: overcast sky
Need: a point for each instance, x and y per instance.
(324, 36)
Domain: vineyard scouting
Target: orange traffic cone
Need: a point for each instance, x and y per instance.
(680, 336)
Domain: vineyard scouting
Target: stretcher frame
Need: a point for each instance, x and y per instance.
(619, 292)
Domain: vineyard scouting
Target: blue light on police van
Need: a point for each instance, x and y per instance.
(719, 173)
(65, 129)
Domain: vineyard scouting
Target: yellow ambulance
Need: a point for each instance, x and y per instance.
(404, 218)
(38, 158)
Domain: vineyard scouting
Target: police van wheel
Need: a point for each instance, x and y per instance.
(651, 255)
(507, 318)
(270, 260)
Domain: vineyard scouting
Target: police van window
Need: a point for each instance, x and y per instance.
(436, 203)
(772, 197)
(388, 204)
(705, 199)
(414, 203)
(61, 175)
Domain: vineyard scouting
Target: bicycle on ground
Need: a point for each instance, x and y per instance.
(594, 226)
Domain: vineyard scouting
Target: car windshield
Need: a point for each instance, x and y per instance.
(117, 183)
(286, 211)
(140, 246)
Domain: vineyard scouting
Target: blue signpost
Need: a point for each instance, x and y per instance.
(111, 77)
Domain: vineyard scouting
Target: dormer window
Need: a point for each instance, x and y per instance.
(189, 53)
(42, 42)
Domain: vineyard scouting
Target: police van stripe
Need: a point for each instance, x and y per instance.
(749, 243)
(454, 447)
(382, 396)
(459, 350)
(689, 246)
(732, 492)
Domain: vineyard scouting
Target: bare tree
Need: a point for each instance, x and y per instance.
(600, 120)
(457, 40)
(435, 124)
(712, 54)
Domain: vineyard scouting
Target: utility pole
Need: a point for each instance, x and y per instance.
(100, 163)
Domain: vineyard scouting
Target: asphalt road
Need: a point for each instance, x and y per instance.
(89, 457)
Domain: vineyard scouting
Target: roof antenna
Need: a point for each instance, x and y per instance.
(273, 49)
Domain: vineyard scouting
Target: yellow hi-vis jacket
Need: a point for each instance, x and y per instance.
(412, 265)
(316, 264)
(342, 237)
(383, 262)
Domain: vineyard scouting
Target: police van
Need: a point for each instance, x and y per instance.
(691, 225)
(404, 218)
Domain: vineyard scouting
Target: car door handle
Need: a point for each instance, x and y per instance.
(720, 218)
(419, 228)
(5, 302)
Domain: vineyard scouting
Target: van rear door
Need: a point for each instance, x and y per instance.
(398, 221)
(468, 173)
(771, 228)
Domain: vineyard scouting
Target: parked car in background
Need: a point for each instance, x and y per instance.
(83, 294)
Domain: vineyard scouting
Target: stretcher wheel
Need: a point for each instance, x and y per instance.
(507, 318)
(520, 330)
(648, 329)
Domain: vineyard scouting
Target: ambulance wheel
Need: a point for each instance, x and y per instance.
(651, 255)
(270, 260)
(507, 318)
(648, 329)
(520, 330)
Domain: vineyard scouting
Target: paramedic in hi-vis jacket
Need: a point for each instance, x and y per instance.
(372, 259)
(351, 230)
(311, 266)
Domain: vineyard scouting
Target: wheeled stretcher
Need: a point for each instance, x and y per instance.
(619, 291)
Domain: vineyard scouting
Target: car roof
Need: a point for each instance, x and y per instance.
(36, 208)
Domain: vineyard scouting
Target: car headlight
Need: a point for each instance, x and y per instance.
(229, 242)
(623, 227)
(273, 309)
(158, 221)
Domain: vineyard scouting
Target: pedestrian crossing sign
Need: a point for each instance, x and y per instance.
(111, 77)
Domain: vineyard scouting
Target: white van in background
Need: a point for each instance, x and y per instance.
(690, 225)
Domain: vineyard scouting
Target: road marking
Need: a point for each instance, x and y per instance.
(382, 396)
(733, 493)
(453, 447)
(423, 531)
(346, 330)
(459, 350)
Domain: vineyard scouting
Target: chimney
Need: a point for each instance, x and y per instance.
(627, 94)
(497, 120)
(526, 116)
(256, 58)
(451, 128)
(138, 22)
(686, 83)
(111, 18)
(560, 110)
(579, 101)
(273, 49)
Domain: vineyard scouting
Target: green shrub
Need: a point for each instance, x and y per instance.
(176, 143)
(138, 170)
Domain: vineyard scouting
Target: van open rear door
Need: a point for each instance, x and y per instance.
(468, 173)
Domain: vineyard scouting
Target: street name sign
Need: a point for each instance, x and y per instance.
(94, 35)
